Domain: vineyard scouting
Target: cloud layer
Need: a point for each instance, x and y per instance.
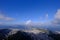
(57, 15)
(3, 17)
(55, 22)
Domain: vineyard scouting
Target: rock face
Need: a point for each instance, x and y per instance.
(4, 33)
(12, 34)
(20, 36)
(28, 36)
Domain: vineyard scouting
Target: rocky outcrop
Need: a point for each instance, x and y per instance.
(12, 34)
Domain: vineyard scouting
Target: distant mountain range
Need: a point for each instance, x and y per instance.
(28, 27)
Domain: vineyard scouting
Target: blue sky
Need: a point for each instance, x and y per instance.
(19, 11)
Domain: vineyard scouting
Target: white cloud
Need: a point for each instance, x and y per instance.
(55, 23)
(28, 22)
(56, 20)
(57, 15)
(8, 18)
(3, 17)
